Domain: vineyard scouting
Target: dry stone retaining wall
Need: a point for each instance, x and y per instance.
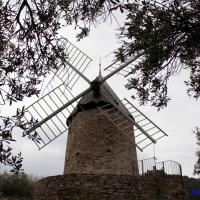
(109, 187)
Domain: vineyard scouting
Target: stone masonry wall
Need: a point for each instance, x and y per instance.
(96, 146)
(109, 187)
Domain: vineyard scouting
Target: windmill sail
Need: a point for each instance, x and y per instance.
(76, 63)
(145, 131)
(115, 65)
(45, 106)
(49, 123)
(120, 116)
(118, 119)
(123, 72)
(146, 124)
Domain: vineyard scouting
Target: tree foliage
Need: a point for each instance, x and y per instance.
(17, 186)
(31, 47)
(197, 165)
(164, 32)
(167, 33)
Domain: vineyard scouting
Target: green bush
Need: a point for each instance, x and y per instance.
(21, 185)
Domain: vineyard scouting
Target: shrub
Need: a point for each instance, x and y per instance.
(21, 185)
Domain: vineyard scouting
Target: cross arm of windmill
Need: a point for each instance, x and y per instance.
(51, 122)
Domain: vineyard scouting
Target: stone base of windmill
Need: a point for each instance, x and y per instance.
(151, 186)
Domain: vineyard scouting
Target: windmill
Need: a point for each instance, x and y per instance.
(103, 131)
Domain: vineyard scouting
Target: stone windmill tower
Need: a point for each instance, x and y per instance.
(101, 137)
(103, 131)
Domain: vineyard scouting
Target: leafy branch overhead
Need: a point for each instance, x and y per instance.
(30, 43)
(31, 47)
(8, 126)
(197, 164)
(167, 33)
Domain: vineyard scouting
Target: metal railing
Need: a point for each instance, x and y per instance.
(168, 167)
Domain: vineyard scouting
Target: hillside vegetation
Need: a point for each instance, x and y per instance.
(19, 187)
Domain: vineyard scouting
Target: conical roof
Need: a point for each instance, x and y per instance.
(98, 97)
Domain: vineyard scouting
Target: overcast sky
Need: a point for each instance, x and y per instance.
(177, 120)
